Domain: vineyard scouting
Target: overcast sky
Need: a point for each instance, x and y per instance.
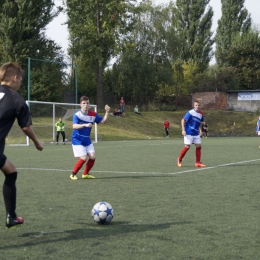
(58, 32)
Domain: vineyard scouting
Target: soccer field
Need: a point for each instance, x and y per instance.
(160, 211)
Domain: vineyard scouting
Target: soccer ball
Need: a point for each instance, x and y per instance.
(102, 212)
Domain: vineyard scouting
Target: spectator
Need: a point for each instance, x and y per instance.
(117, 112)
(166, 128)
(122, 105)
(137, 112)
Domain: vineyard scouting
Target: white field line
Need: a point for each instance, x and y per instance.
(214, 167)
(170, 173)
(109, 147)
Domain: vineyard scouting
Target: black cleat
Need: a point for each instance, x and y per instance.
(13, 222)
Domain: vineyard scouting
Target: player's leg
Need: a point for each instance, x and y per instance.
(187, 144)
(197, 142)
(57, 137)
(9, 192)
(167, 132)
(63, 137)
(81, 153)
(90, 163)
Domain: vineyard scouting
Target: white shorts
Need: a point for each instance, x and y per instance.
(190, 139)
(80, 150)
(258, 132)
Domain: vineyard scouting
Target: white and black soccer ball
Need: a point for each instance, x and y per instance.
(102, 212)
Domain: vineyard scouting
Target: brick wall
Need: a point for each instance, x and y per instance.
(211, 100)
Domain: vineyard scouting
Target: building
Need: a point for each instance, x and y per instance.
(236, 100)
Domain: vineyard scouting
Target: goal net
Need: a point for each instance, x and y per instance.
(44, 116)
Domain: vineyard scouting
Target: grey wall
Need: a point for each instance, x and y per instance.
(242, 105)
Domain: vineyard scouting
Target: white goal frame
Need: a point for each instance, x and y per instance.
(54, 119)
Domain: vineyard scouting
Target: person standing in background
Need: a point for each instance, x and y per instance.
(60, 126)
(122, 105)
(166, 128)
(136, 111)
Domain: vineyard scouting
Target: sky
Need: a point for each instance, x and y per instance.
(58, 32)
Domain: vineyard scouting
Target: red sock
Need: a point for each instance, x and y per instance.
(198, 154)
(183, 152)
(88, 166)
(78, 166)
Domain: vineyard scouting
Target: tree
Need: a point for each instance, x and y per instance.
(193, 25)
(99, 24)
(22, 26)
(235, 19)
(215, 79)
(244, 56)
(143, 69)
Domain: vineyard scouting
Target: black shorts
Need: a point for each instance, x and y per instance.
(2, 156)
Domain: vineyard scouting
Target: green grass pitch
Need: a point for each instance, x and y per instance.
(160, 211)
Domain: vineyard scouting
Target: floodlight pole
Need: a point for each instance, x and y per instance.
(29, 79)
(76, 83)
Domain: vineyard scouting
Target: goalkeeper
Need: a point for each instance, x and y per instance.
(60, 125)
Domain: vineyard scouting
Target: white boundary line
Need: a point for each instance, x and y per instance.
(214, 167)
(171, 173)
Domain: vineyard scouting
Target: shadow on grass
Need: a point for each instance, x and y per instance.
(93, 231)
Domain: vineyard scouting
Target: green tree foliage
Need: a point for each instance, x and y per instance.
(22, 28)
(144, 67)
(235, 19)
(193, 24)
(47, 76)
(215, 79)
(22, 35)
(244, 55)
(99, 24)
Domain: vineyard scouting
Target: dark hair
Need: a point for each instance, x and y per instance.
(83, 98)
(8, 70)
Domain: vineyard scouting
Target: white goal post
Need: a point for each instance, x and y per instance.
(44, 116)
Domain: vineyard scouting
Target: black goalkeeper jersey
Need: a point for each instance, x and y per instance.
(12, 106)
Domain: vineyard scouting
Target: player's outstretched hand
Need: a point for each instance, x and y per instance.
(107, 108)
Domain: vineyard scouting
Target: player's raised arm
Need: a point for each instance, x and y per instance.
(107, 108)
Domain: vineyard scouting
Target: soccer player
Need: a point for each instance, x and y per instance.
(191, 125)
(13, 107)
(60, 126)
(166, 128)
(81, 142)
(257, 129)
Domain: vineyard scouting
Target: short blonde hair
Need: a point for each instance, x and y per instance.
(8, 70)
